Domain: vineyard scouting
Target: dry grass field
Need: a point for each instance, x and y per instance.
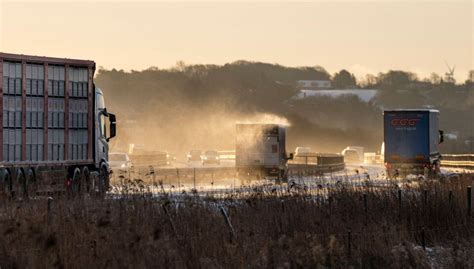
(344, 228)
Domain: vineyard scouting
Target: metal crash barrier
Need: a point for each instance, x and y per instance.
(315, 164)
(458, 160)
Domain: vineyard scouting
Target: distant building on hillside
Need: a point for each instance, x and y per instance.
(313, 84)
(312, 88)
(365, 95)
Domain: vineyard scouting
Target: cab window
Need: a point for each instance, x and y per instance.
(100, 101)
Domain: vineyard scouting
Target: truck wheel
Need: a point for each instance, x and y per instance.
(76, 184)
(284, 176)
(103, 180)
(89, 184)
(30, 185)
(6, 184)
(19, 186)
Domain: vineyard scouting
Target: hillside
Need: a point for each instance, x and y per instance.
(198, 105)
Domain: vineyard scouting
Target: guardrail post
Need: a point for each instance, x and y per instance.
(469, 200)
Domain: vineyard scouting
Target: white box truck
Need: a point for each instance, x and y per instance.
(261, 149)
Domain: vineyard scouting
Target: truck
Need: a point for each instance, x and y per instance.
(411, 141)
(260, 149)
(55, 127)
(353, 154)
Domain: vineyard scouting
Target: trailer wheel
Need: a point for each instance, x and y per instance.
(29, 187)
(89, 184)
(284, 176)
(103, 180)
(19, 186)
(6, 184)
(76, 183)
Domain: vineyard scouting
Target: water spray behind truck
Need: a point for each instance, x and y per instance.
(260, 150)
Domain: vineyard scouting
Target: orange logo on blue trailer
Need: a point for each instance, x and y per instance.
(404, 122)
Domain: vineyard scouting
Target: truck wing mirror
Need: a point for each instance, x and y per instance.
(113, 126)
(441, 136)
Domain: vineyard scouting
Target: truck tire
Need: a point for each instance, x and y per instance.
(6, 184)
(103, 180)
(284, 176)
(19, 185)
(29, 187)
(76, 183)
(89, 184)
(434, 170)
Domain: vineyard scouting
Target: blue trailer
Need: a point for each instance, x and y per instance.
(412, 138)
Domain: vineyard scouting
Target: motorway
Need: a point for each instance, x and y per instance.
(221, 179)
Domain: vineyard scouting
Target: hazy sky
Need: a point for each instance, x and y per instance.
(364, 37)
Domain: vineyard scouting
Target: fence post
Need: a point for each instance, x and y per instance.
(48, 213)
(469, 200)
(50, 200)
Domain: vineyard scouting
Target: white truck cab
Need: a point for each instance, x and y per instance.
(104, 131)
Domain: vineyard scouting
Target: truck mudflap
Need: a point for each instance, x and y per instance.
(405, 169)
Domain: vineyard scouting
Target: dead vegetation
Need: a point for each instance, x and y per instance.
(347, 227)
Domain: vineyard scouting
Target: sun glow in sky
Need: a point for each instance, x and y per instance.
(363, 37)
